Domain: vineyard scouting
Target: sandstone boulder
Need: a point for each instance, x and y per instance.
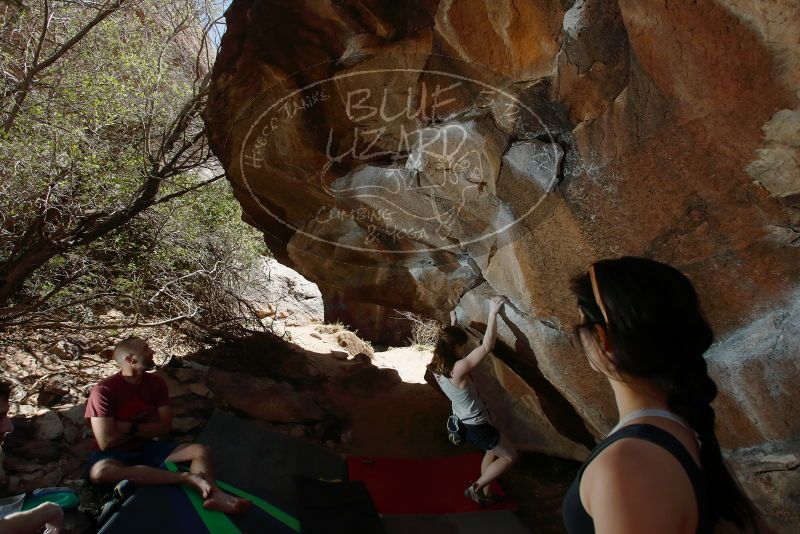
(52, 393)
(66, 350)
(263, 398)
(74, 415)
(48, 425)
(352, 343)
(366, 379)
(443, 152)
(285, 291)
(201, 390)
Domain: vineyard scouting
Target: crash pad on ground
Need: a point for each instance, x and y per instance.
(422, 486)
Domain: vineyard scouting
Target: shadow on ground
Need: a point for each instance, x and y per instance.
(374, 413)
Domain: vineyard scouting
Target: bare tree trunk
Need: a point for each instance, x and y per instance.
(16, 272)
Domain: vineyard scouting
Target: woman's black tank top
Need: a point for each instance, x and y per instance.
(578, 521)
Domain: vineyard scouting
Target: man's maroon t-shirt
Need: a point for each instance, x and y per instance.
(116, 397)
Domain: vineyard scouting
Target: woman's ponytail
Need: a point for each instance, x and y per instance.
(690, 396)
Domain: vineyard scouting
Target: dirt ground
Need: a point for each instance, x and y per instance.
(408, 421)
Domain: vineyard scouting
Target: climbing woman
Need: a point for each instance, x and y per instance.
(452, 372)
(660, 469)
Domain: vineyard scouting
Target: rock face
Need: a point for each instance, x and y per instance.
(427, 155)
(285, 294)
(263, 399)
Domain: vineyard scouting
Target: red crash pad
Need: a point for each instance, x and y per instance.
(422, 486)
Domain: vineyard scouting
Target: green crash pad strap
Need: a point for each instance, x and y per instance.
(274, 511)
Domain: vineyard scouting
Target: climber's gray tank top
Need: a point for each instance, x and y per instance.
(467, 405)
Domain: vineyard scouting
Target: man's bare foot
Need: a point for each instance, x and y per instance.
(199, 483)
(222, 502)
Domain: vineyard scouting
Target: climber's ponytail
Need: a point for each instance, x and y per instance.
(658, 332)
(444, 353)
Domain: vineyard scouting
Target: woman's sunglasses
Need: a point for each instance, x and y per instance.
(586, 322)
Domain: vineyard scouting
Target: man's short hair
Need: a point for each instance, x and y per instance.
(5, 391)
(127, 346)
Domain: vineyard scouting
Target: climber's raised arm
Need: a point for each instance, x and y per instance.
(472, 359)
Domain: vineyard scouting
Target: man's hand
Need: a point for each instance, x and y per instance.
(107, 432)
(55, 517)
(157, 429)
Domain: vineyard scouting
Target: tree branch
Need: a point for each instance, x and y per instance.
(182, 192)
(21, 93)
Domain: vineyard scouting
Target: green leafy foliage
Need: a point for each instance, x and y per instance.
(81, 138)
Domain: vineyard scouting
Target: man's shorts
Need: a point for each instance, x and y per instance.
(152, 453)
(484, 436)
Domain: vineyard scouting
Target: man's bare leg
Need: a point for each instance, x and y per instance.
(202, 465)
(112, 471)
(48, 516)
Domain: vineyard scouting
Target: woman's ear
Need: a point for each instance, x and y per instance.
(602, 337)
(606, 350)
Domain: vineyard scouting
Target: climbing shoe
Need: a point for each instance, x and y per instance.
(121, 493)
(479, 497)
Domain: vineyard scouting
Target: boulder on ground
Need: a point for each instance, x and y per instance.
(366, 379)
(65, 350)
(263, 398)
(74, 414)
(283, 293)
(201, 390)
(52, 393)
(48, 425)
(353, 343)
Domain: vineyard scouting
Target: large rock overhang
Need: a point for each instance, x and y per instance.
(428, 155)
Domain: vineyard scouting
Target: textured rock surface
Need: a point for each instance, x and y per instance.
(263, 398)
(769, 470)
(428, 154)
(285, 294)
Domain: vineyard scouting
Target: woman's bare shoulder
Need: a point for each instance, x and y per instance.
(636, 479)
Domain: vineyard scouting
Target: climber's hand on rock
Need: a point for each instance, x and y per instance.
(497, 303)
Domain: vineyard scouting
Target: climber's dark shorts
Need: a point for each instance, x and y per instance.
(152, 453)
(484, 436)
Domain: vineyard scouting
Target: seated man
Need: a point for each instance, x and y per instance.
(130, 408)
(48, 516)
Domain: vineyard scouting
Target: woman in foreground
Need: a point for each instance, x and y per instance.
(660, 470)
